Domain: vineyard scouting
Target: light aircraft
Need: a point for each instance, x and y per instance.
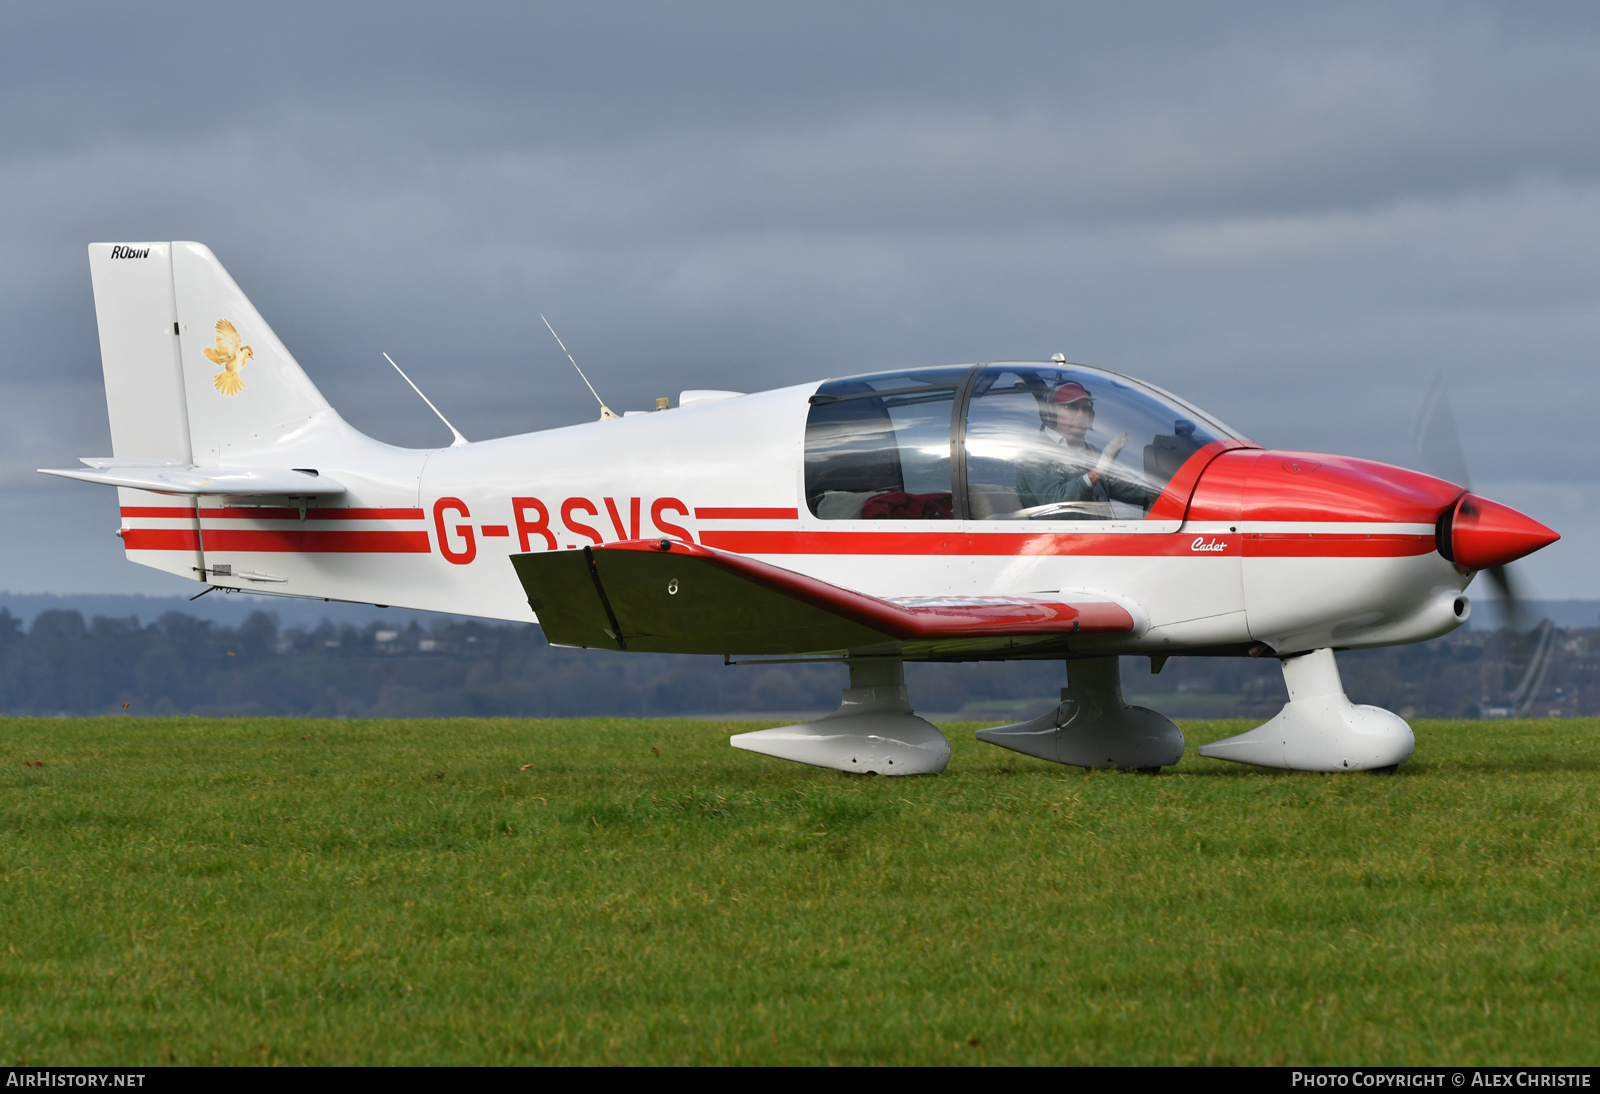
(1038, 510)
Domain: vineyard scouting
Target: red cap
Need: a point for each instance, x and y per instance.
(1070, 392)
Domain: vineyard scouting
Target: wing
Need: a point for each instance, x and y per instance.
(665, 596)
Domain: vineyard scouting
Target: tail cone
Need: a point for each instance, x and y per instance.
(1482, 533)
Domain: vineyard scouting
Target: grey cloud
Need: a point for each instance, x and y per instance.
(1290, 215)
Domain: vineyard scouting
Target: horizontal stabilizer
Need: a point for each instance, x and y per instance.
(187, 481)
(667, 596)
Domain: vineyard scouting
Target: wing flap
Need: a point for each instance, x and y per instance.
(667, 596)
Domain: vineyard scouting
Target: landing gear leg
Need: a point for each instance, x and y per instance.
(1093, 727)
(873, 732)
(1319, 729)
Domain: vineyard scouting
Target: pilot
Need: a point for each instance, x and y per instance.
(1066, 466)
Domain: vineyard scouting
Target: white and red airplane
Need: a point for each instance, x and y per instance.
(1039, 510)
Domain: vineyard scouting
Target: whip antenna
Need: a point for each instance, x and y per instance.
(606, 413)
(459, 439)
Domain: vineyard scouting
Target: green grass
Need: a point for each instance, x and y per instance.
(265, 890)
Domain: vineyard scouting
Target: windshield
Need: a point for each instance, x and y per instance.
(1069, 443)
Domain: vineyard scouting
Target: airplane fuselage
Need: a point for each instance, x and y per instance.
(1289, 550)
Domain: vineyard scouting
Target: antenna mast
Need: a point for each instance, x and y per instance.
(606, 413)
(459, 439)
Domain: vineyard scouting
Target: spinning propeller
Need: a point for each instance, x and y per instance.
(1478, 534)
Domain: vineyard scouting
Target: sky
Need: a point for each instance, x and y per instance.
(1292, 215)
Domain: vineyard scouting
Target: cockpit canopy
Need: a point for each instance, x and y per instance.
(996, 442)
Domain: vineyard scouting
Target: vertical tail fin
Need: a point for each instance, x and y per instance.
(195, 379)
(193, 373)
(242, 388)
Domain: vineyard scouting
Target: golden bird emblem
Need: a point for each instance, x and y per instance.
(230, 353)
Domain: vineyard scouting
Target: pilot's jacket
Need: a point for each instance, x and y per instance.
(1057, 472)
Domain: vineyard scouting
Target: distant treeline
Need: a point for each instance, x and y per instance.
(182, 665)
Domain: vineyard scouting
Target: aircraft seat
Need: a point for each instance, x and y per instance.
(988, 501)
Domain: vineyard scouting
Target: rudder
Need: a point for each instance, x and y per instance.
(136, 310)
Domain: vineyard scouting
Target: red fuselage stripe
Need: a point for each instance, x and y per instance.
(237, 539)
(252, 513)
(1322, 545)
(747, 512)
(1044, 543)
(159, 511)
(160, 539)
(778, 542)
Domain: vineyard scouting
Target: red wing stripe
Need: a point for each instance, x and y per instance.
(160, 539)
(746, 512)
(234, 539)
(966, 621)
(1104, 617)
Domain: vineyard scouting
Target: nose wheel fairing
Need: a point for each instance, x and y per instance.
(1319, 729)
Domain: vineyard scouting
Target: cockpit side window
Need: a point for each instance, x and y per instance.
(878, 447)
(1063, 443)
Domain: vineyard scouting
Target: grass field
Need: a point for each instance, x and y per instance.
(275, 891)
